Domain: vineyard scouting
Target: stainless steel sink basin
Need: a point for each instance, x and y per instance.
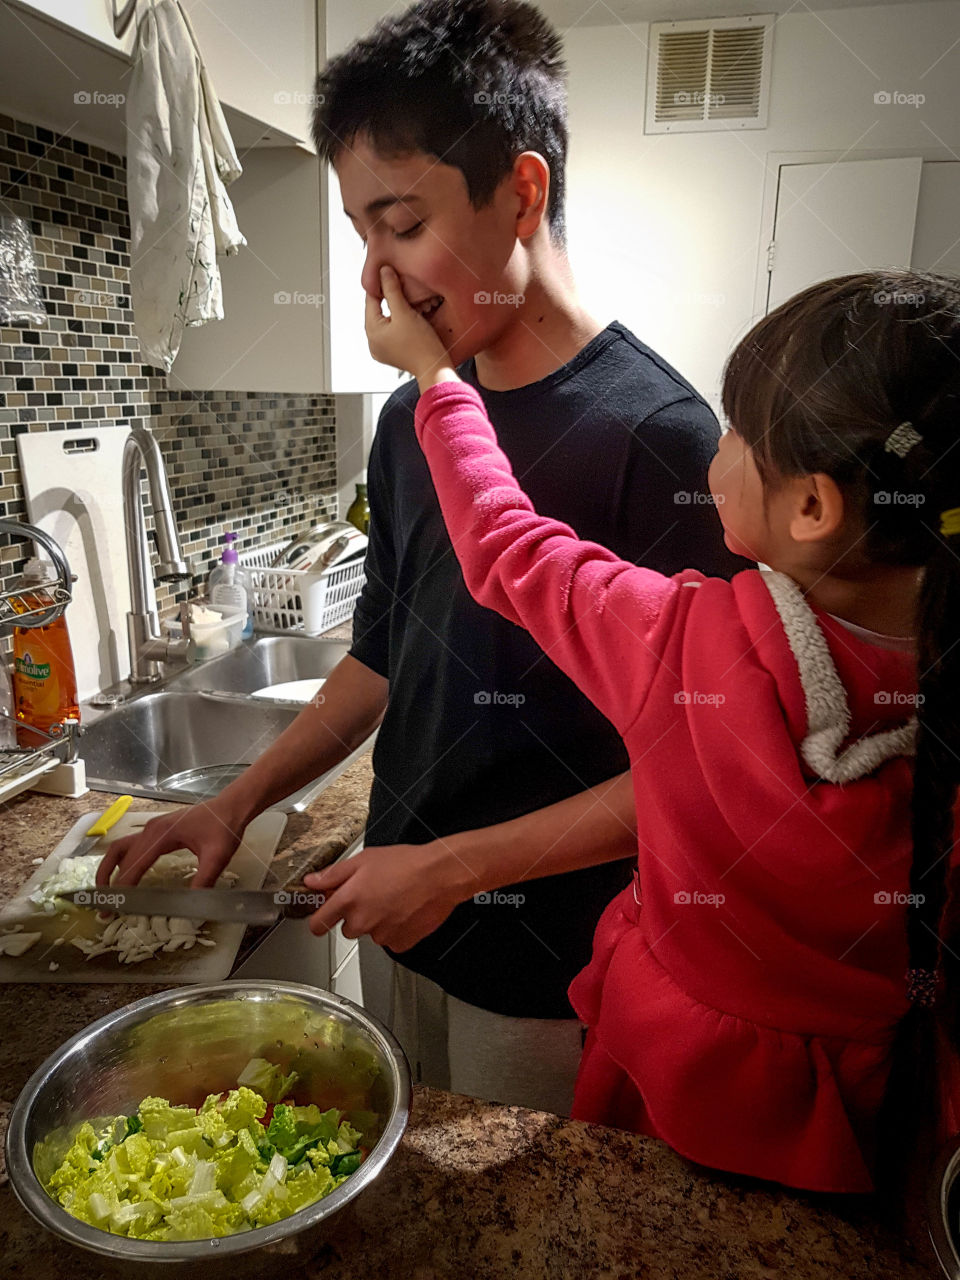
(262, 662)
(181, 745)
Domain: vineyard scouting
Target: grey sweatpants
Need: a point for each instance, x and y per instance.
(526, 1062)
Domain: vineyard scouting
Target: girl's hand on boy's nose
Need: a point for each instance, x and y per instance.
(403, 339)
(397, 893)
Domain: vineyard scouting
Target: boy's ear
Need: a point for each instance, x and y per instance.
(818, 508)
(531, 184)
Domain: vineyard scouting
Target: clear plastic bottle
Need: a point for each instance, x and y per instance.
(44, 676)
(228, 586)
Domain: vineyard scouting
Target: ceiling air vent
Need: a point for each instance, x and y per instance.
(709, 74)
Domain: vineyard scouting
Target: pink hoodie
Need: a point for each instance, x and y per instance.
(753, 998)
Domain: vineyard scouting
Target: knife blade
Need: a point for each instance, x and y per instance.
(101, 826)
(239, 906)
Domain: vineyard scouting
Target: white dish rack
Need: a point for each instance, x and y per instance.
(299, 599)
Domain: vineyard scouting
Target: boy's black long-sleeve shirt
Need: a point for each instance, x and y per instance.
(481, 727)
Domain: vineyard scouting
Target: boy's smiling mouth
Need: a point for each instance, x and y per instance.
(429, 306)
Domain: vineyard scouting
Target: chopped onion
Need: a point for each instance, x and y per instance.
(204, 1178)
(250, 1201)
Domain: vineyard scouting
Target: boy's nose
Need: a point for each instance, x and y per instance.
(370, 275)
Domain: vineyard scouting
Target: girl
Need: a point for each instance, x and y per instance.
(744, 995)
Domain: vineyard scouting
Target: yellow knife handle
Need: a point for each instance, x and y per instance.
(110, 816)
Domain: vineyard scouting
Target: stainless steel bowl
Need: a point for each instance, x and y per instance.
(943, 1209)
(182, 1045)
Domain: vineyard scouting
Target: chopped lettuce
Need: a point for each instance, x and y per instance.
(267, 1079)
(170, 1172)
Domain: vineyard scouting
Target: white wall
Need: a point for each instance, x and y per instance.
(357, 417)
(664, 230)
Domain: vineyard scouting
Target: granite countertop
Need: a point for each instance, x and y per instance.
(479, 1190)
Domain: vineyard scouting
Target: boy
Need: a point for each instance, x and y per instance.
(447, 131)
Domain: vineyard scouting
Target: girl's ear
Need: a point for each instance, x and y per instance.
(818, 508)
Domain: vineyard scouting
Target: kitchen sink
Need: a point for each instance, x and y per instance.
(265, 661)
(185, 740)
(184, 745)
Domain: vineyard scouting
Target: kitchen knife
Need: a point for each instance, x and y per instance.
(242, 906)
(107, 819)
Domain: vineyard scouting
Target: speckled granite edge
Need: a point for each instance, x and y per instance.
(479, 1190)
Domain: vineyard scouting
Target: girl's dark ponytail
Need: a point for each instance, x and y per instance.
(910, 1115)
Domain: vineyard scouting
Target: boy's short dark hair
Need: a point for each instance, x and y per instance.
(472, 82)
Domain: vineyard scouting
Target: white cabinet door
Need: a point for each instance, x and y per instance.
(92, 19)
(838, 218)
(292, 297)
(936, 243)
(289, 325)
(272, 337)
(261, 57)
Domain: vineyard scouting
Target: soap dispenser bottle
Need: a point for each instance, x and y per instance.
(228, 585)
(358, 513)
(44, 676)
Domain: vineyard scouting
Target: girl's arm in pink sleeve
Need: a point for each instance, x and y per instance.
(591, 612)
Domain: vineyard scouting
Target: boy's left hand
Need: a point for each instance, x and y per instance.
(403, 339)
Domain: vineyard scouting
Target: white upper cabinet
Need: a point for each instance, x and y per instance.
(292, 296)
(62, 66)
(262, 58)
(90, 18)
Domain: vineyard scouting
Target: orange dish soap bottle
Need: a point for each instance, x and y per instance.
(44, 677)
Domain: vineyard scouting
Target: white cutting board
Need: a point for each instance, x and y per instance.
(199, 964)
(72, 481)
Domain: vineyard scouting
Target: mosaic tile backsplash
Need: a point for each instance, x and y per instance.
(262, 464)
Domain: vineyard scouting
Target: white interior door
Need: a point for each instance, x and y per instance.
(836, 218)
(936, 243)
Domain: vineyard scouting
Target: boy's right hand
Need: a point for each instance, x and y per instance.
(201, 829)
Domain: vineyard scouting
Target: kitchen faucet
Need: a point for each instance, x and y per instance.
(147, 647)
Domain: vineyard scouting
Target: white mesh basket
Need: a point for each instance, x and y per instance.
(298, 599)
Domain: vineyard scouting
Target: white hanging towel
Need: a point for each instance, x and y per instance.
(179, 157)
